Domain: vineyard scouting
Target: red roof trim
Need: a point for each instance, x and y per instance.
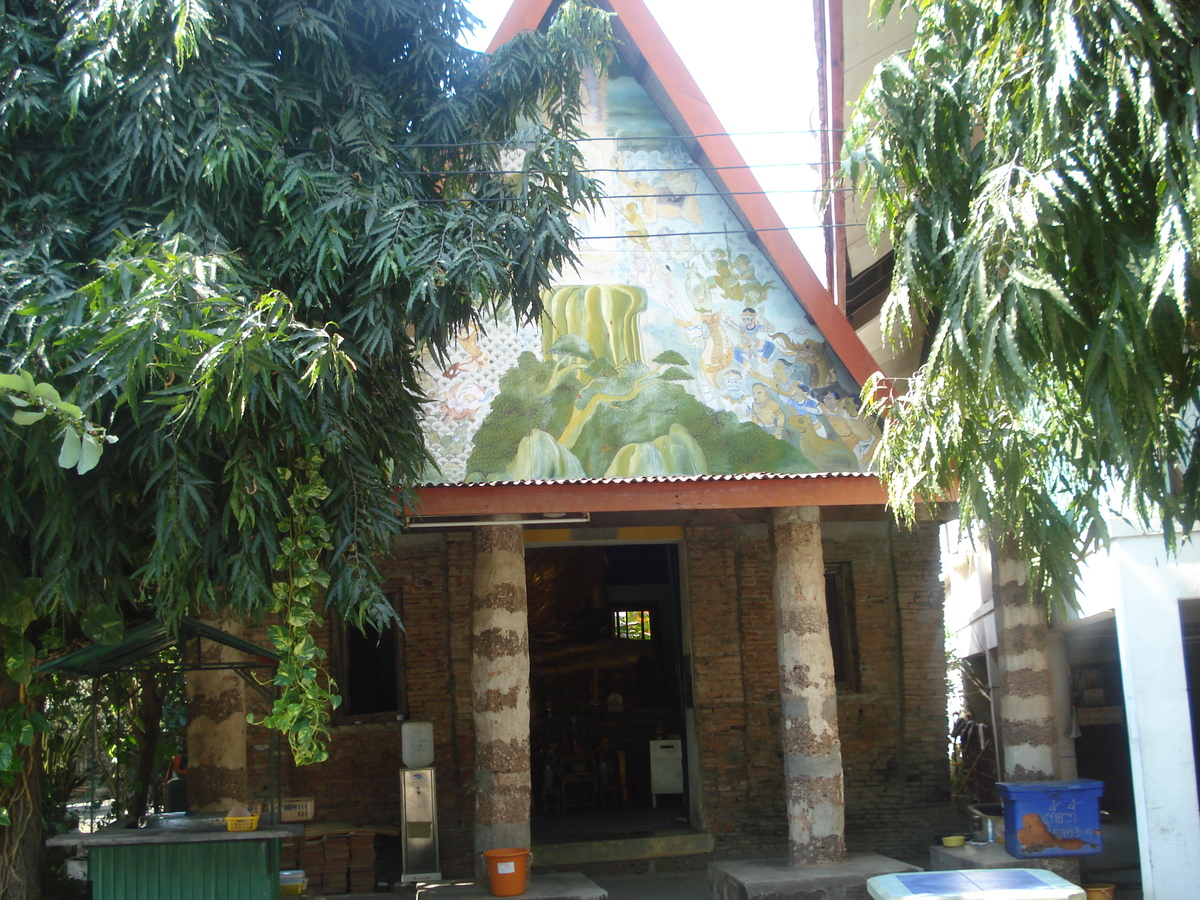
(596, 495)
(746, 193)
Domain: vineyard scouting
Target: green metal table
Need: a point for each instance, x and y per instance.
(182, 864)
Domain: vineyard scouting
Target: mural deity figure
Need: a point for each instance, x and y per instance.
(856, 429)
(752, 342)
(765, 412)
(476, 358)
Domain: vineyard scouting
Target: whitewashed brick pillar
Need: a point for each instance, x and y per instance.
(500, 689)
(812, 750)
(216, 729)
(1027, 727)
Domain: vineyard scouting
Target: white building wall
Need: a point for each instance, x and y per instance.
(1149, 586)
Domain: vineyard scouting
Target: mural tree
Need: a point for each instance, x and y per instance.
(225, 232)
(1036, 167)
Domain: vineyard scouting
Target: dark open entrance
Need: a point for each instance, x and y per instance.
(607, 724)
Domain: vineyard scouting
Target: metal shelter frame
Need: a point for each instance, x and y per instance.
(137, 650)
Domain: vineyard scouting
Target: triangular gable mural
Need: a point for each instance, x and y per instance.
(677, 347)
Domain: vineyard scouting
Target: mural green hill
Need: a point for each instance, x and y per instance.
(629, 420)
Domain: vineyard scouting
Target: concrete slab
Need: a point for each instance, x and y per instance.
(578, 853)
(549, 886)
(777, 879)
(690, 885)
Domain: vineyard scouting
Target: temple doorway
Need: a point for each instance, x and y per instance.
(608, 709)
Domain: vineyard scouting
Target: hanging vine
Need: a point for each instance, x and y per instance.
(306, 689)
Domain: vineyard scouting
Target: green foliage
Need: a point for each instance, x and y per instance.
(226, 231)
(19, 724)
(1037, 169)
(573, 345)
(82, 442)
(671, 358)
(96, 731)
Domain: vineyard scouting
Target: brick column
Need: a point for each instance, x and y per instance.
(812, 753)
(1025, 704)
(216, 730)
(500, 689)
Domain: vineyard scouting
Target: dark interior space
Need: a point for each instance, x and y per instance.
(1190, 616)
(1102, 743)
(1102, 750)
(605, 677)
(974, 756)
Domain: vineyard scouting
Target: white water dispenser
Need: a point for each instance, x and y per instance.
(418, 804)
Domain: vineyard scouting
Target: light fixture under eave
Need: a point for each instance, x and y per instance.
(543, 519)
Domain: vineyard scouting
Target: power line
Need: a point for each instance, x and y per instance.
(657, 137)
(669, 198)
(695, 167)
(635, 236)
(442, 173)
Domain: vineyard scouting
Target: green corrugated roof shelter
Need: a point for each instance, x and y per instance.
(145, 641)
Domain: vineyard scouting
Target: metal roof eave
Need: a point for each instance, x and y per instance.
(649, 494)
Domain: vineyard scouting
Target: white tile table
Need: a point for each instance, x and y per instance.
(975, 884)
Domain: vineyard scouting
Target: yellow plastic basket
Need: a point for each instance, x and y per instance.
(241, 823)
(293, 890)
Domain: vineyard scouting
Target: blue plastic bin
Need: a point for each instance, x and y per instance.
(1051, 818)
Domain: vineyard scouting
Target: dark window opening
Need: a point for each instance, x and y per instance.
(839, 604)
(368, 665)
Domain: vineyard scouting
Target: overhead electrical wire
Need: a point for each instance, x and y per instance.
(695, 167)
(653, 137)
(637, 236)
(667, 198)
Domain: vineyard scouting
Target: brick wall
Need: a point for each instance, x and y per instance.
(735, 679)
(892, 728)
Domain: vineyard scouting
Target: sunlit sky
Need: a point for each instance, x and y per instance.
(745, 58)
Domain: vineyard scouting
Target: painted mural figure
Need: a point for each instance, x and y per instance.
(735, 399)
(795, 395)
(638, 230)
(822, 369)
(465, 400)
(826, 454)
(476, 358)
(716, 354)
(858, 431)
(667, 194)
(752, 342)
(754, 292)
(765, 412)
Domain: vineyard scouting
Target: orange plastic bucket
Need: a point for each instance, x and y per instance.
(507, 870)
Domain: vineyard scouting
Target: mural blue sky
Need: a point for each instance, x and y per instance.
(753, 70)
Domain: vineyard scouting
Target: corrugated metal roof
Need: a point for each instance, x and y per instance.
(655, 479)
